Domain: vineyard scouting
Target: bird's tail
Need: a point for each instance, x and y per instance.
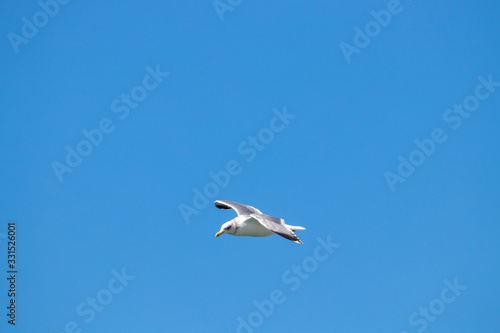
(294, 227)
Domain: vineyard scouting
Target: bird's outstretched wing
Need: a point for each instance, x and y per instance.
(239, 208)
(276, 225)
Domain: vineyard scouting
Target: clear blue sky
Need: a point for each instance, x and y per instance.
(175, 94)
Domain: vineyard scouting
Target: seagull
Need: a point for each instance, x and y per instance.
(251, 222)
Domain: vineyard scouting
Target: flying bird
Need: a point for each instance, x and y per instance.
(251, 222)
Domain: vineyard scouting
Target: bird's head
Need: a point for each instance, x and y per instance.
(227, 228)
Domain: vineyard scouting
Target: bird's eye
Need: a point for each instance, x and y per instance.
(227, 228)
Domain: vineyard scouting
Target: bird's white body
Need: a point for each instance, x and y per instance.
(250, 227)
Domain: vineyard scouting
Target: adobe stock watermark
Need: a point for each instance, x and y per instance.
(89, 309)
(427, 146)
(48, 10)
(248, 149)
(222, 6)
(292, 278)
(425, 315)
(120, 106)
(363, 37)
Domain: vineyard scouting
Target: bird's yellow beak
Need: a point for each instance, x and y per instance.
(219, 233)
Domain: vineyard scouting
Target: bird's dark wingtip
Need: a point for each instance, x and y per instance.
(221, 205)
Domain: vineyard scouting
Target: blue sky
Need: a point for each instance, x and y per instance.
(383, 143)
